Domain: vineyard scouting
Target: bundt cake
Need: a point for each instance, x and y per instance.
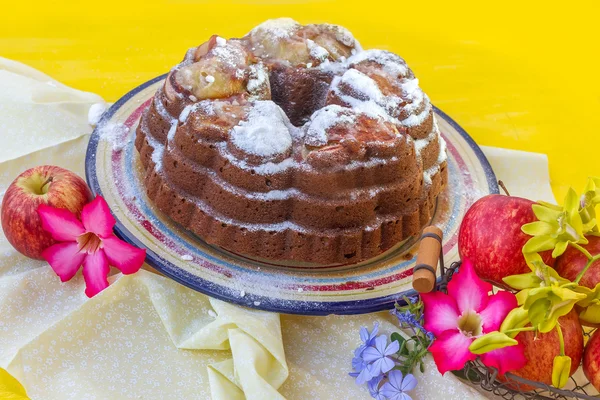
(293, 143)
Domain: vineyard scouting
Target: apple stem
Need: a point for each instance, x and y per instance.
(561, 339)
(45, 183)
(501, 184)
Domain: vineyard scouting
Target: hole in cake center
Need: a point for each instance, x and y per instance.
(299, 92)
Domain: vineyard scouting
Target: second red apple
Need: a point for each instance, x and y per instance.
(490, 236)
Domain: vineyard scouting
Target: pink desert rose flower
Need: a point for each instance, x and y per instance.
(465, 313)
(89, 242)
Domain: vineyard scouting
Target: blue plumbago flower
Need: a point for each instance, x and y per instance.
(397, 386)
(430, 337)
(367, 338)
(361, 371)
(374, 389)
(378, 356)
(408, 319)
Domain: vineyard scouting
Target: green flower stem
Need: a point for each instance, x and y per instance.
(591, 260)
(525, 329)
(561, 339)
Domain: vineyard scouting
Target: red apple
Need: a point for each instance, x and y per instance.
(540, 351)
(591, 360)
(46, 184)
(572, 262)
(490, 236)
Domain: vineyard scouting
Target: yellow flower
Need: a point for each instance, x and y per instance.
(557, 226)
(590, 304)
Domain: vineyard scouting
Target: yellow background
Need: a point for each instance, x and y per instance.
(515, 74)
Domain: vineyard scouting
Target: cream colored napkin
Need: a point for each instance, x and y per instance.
(147, 336)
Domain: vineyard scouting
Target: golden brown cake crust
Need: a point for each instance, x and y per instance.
(331, 155)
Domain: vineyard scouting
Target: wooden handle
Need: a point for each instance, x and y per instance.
(424, 274)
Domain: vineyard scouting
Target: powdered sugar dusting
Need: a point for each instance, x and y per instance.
(229, 55)
(157, 153)
(95, 113)
(115, 134)
(317, 52)
(322, 120)
(279, 28)
(185, 113)
(172, 130)
(362, 85)
(343, 35)
(259, 78)
(420, 144)
(418, 119)
(265, 133)
(392, 63)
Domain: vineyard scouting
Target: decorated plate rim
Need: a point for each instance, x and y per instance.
(220, 292)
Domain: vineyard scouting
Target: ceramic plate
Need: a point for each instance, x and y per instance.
(115, 173)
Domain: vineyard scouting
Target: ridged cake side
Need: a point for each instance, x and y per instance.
(336, 185)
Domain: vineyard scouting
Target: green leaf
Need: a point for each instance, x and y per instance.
(404, 349)
(422, 367)
(546, 214)
(537, 228)
(491, 341)
(539, 243)
(398, 337)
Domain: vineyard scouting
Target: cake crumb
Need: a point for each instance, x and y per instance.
(187, 257)
(209, 78)
(242, 293)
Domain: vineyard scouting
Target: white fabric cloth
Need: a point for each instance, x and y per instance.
(147, 336)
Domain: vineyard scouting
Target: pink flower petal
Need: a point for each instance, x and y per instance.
(125, 257)
(498, 307)
(96, 217)
(470, 292)
(440, 312)
(61, 223)
(95, 273)
(506, 359)
(450, 351)
(64, 258)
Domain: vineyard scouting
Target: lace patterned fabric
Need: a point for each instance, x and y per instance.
(147, 336)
